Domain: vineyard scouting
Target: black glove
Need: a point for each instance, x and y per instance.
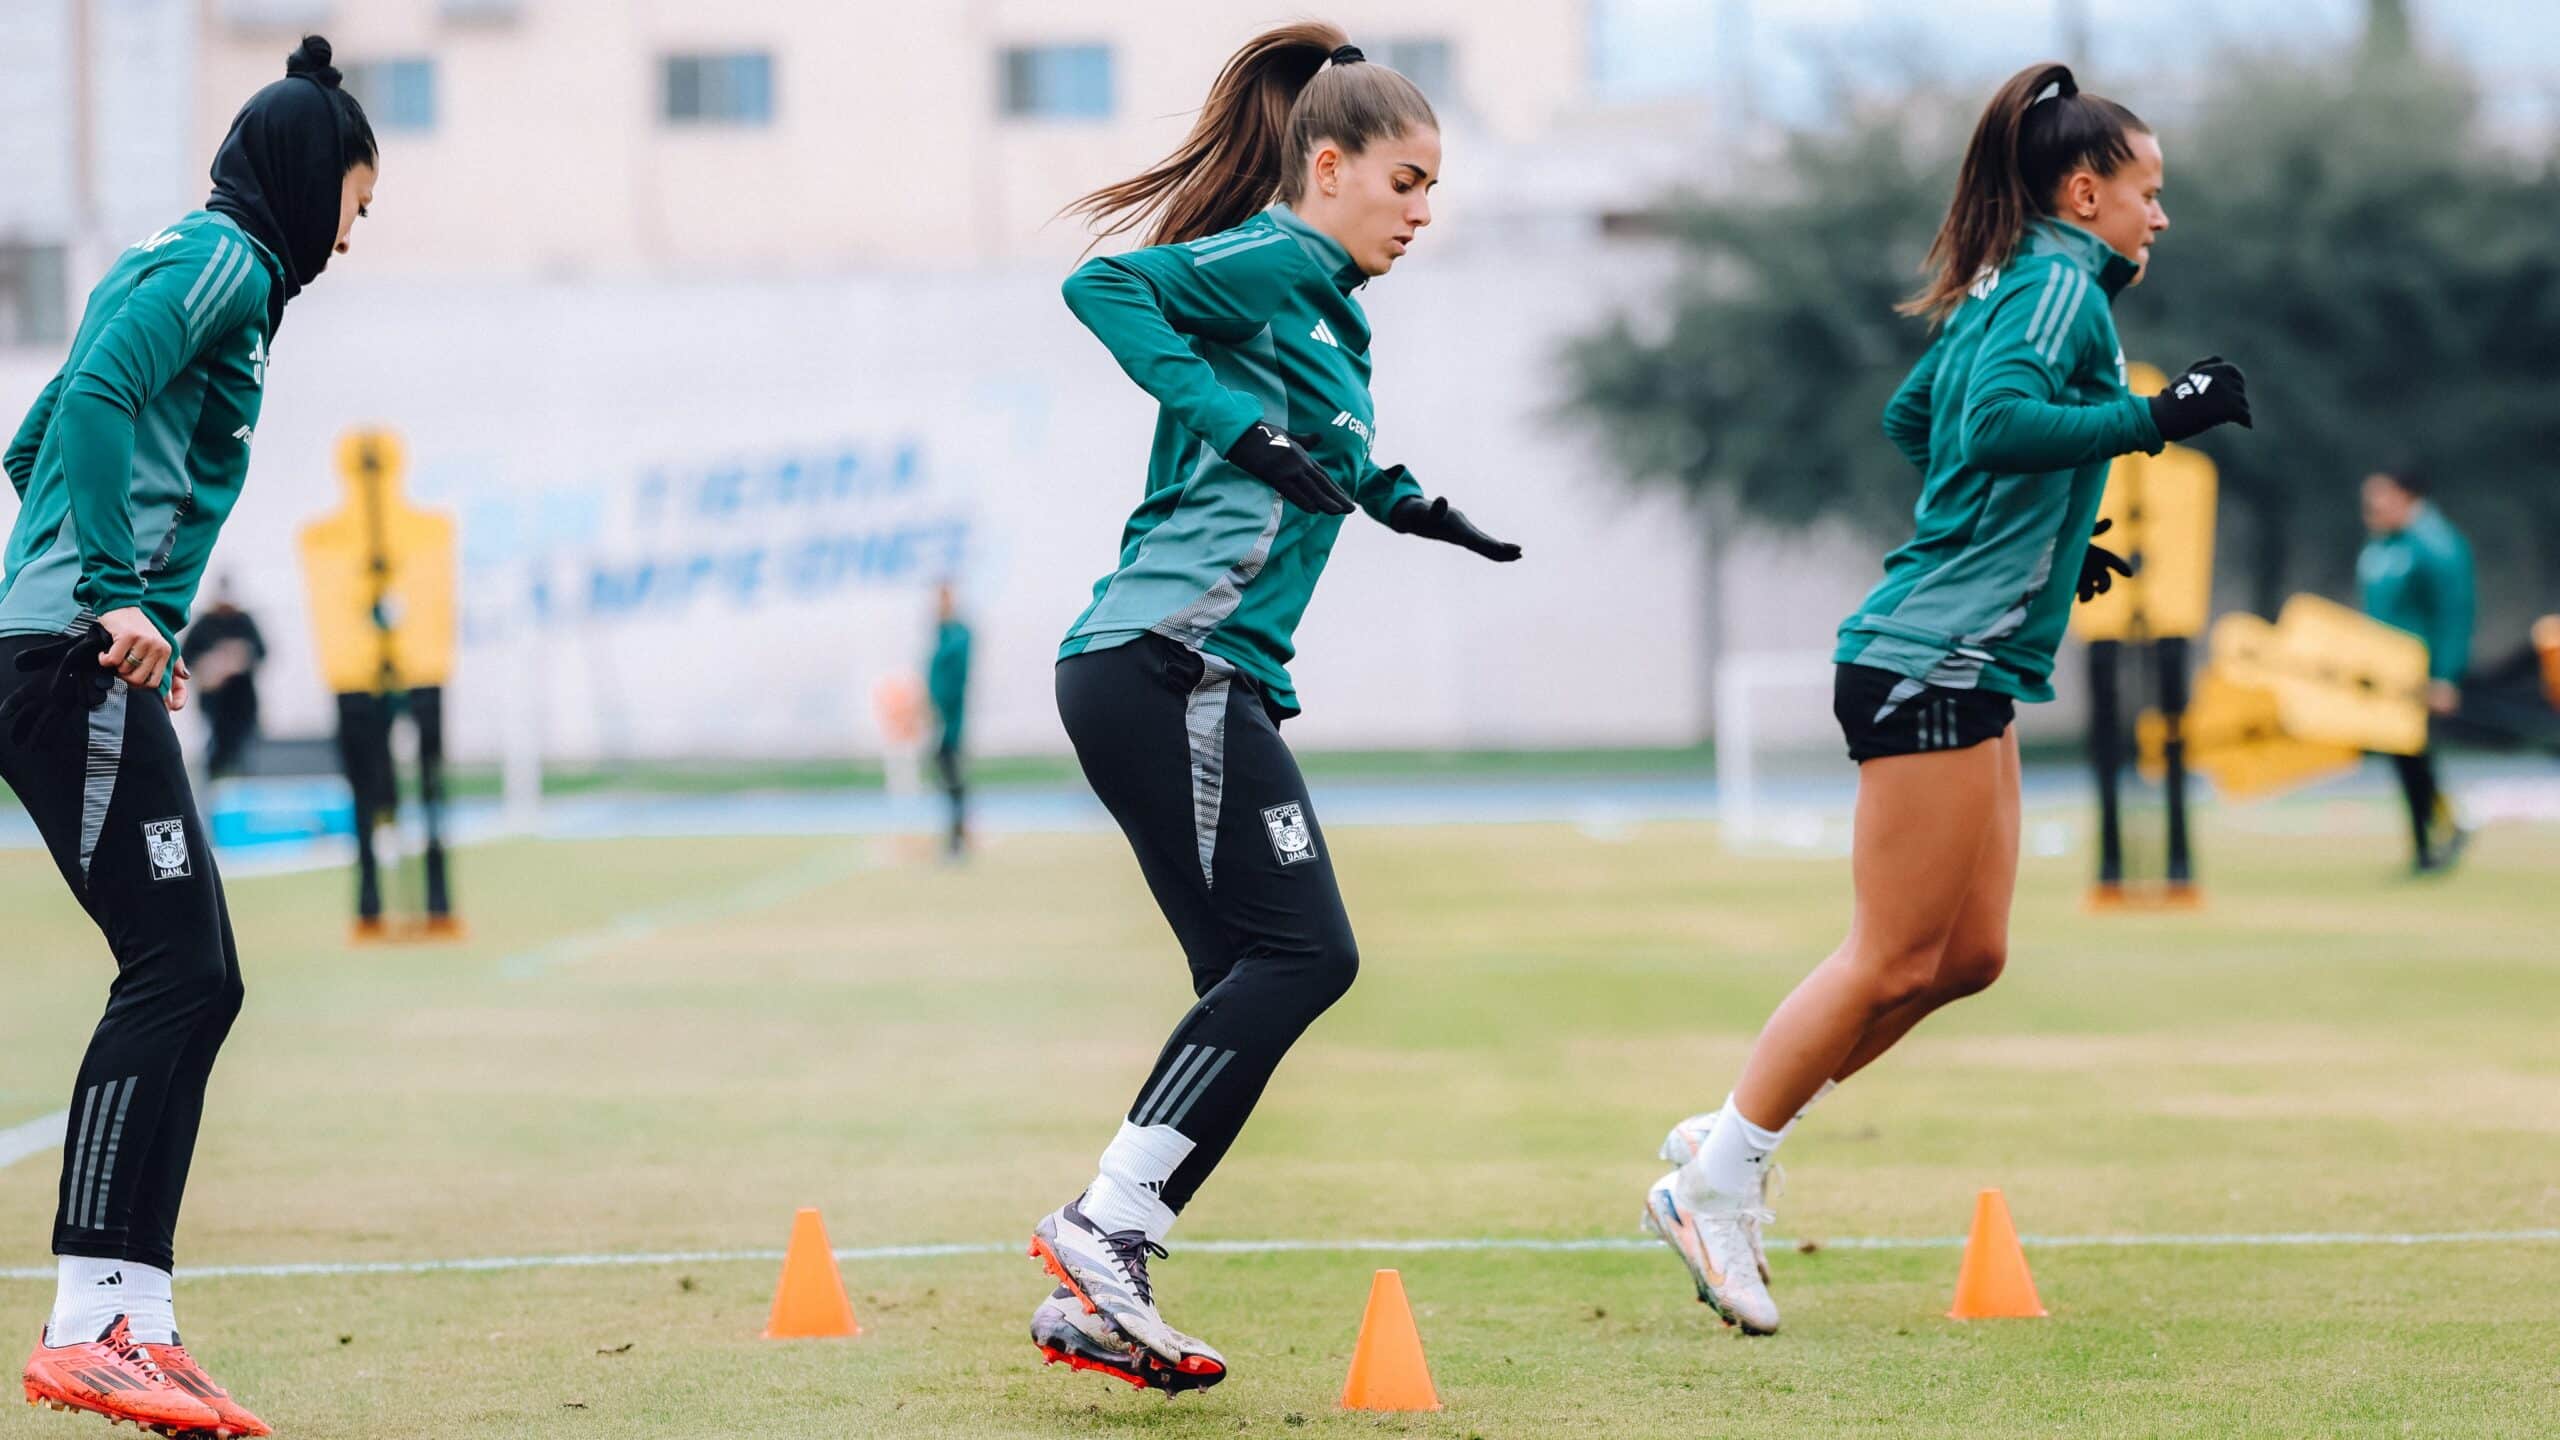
(2094, 579)
(1434, 520)
(69, 682)
(1281, 462)
(2208, 393)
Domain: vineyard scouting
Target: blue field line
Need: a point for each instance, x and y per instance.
(1605, 805)
(1532, 1245)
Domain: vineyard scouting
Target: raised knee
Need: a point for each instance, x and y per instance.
(1971, 970)
(1901, 975)
(1337, 966)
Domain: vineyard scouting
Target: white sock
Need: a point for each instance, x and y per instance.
(89, 1292)
(149, 1310)
(1729, 1170)
(1128, 1194)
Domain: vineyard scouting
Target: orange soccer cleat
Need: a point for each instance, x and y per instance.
(118, 1378)
(182, 1368)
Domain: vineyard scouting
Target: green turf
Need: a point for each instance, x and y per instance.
(669, 1045)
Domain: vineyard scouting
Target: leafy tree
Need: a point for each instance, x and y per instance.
(2339, 228)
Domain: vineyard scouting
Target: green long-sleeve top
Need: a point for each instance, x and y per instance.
(2012, 417)
(1253, 324)
(2419, 579)
(946, 680)
(134, 454)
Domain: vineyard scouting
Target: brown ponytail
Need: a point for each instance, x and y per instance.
(1272, 104)
(2023, 148)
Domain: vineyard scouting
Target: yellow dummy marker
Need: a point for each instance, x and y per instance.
(2162, 507)
(382, 576)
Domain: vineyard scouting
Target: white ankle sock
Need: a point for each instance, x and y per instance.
(1128, 1194)
(90, 1291)
(149, 1310)
(1730, 1168)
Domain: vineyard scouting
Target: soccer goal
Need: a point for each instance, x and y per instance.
(1781, 784)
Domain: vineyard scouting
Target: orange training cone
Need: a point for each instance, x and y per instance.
(1994, 1283)
(1387, 1369)
(810, 1303)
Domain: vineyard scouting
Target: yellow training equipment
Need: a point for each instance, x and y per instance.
(382, 577)
(2339, 678)
(2163, 508)
(2236, 738)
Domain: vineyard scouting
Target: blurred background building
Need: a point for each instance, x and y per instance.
(728, 327)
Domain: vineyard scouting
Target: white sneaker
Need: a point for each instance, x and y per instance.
(1720, 1246)
(1688, 1140)
(1108, 1274)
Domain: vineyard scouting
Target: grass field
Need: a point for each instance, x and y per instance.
(653, 1046)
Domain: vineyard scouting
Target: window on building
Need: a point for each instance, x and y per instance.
(717, 89)
(395, 94)
(1429, 62)
(1055, 82)
(33, 302)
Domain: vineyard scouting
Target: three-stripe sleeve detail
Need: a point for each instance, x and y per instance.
(1241, 246)
(2057, 307)
(215, 287)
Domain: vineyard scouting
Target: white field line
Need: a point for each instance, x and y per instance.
(43, 1133)
(763, 893)
(1496, 1244)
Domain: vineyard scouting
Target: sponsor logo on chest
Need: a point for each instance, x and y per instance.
(1345, 420)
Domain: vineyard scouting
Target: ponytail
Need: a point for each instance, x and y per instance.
(2026, 144)
(1274, 102)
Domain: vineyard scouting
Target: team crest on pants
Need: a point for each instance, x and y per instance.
(167, 842)
(1290, 838)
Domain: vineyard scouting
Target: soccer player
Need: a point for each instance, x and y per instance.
(946, 684)
(1307, 175)
(125, 470)
(2415, 574)
(2011, 418)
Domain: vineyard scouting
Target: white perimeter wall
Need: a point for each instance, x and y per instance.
(704, 520)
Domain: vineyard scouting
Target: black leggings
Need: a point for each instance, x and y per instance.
(1181, 749)
(109, 793)
(2428, 815)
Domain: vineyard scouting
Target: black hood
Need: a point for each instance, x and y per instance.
(281, 171)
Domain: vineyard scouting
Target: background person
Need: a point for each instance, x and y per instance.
(946, 681)
(2415, 574)
(223, 649)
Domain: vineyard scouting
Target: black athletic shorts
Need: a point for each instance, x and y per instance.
(1882, 713)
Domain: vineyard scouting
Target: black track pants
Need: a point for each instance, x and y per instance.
(1182, 751)
(109, 793)
(2427, 813)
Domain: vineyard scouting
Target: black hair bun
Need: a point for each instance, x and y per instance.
(312, 59)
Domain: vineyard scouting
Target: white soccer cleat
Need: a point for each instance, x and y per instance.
(1720, 1246)
(1108, 1273)
(1688, 1140)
